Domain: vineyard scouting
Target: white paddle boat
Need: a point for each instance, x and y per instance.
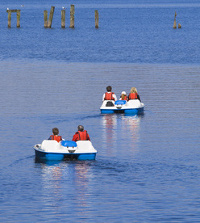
(52, 150)
(122, 106)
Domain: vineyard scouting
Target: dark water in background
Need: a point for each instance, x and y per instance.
(130, 32)
(147, 167)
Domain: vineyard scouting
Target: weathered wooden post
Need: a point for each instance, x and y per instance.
(18, 18)
(9, 11)
(174, 26)
(179, 26)
(72, 10)
(63, 18)
(9, 18)
(45, 19)
(96, 19)
(51, 17)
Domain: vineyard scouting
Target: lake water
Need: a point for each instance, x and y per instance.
(147, 168)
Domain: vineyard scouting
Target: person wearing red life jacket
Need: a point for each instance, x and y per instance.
(123, 96)
(109, 95)
(81, 134)
(133, 94)
(55, 135)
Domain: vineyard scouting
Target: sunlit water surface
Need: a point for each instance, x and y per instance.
(147, 168)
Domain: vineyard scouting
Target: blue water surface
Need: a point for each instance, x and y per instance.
(147, 167)
(129, 31)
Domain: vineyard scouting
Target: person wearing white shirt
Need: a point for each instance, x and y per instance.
(109, 95)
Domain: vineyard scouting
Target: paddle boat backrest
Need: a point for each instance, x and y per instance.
(84, 145)
(134, 103)
(49, 145)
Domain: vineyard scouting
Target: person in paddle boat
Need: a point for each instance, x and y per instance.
(133, 94)
(109, 95)
(55, 135)
(81, 134)
(123, 96)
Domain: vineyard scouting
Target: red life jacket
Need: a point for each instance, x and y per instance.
(82, 135)
(125, 98)
(57, 138)
(109, 96)
(132, 96)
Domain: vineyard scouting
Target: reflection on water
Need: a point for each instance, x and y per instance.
(133, 124)
(51, 185)
(138, 158)
(109, 122)
(120, 130)
(66, 180)
(81, 181)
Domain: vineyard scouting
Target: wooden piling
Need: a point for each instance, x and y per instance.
(63, 18)
(174, 26)
(9, 11)
(179, 26)
(45, 19)
(51, 17)
(96, 19)
(72, 11)
(9, 18)
(18, 18)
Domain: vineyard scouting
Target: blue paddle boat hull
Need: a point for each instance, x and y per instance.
(133, 107)
(51, 150)
(59, 157)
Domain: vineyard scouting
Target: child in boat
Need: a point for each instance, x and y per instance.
(123, 96)
(81, 134)
(133, 94)
(55, 135)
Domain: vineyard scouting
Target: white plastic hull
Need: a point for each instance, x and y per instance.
(52, 150)
(129, 107)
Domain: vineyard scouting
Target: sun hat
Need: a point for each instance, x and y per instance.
(123, 92)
